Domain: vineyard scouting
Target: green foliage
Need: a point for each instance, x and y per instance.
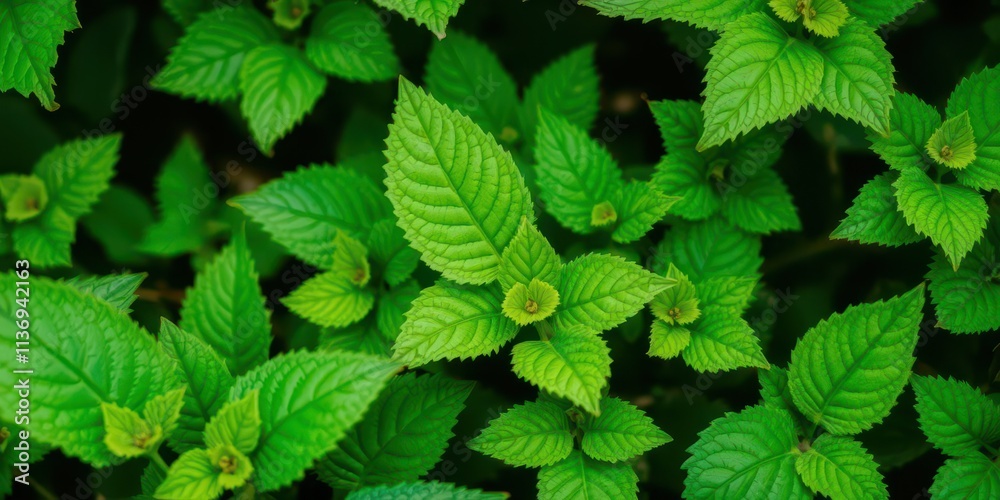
(30, 33)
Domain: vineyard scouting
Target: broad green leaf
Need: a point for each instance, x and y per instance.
(106, 359)
(874, 216)
(432, 489)
(363, 336)
(24, 196)
(966, 299)
(848, 370)
(758, 74)
(529, 256)
(445, 179)
(279, 88)
(225, 308)
(639, 206)
(192, 475)
(164, 411)
(449, 321)
(403, 434)
(308, 401)
(601, 291)
(879, 12)
(530, 304)
(954, 144)
(733, 293)
(390, 254)
(331, 299)
(957, 418)
(857, 76)
(712, 14)
(574, 364)
(434, 14)
(349, 40)
(735, 454)
(953, 216)
(621, 432)
(679, 303)
(911, 124)
(974, 477)
(392, 307)
(126, 434)
(568, 87)
(775, 393)
(30, 33)
(977, 94)
(304, 210)
(825, 17)
(236, 424)
(679, 123)
(722, 341)
(46, 240)
(204, 373)
(183, 203)
(762, 204)
(839, 467)
(667, 341)
(685, 174)
(709, 249)
(534, 434)
(579, 476)
(466, 75)
(206, 62)
(115, 289)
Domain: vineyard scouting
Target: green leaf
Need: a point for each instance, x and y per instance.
(449, 321)
(722, 341)
(389, 252)
(953, 216)
(534, 434)
(234, 468)
(957, 418)
(874, 216)
(180, 195)
(568, 87)
(331, 299)
(974, 477)
(911, 124)
(432, 489)
(127, 435)
(679, 123)
(192, 475)
(732, 293)
(848, 370)
(115, 289)
(152, 478)
(207, 379)
(289, 14)
(350, 260)
(712, 14)
(308, 401)
(639, 205)
(775, 393)
(667, 341)
(164, 411)
(685, 174)
(579, 476)
(966, 299)
(236, 424)
(404, 433)
(119, 221)
(446, 198)
(529, 256)
(206, 62)
(30, 33)
(735, 451)
(879, 12)
(225, 308)
(621, 432)
(106, 359)
(709, 249)
(977, 94)
(954, 144)
(601, 291)
(304, 210)
(466, 75)
(349, 40)
(434, 14)
(185, 11)
(530, 304)
(760, 205)
(363, 336)
(392, 307)
(24, 196)
(279, 88)
(45, 240)
(758, 74)
(574, 364)
(679, 303)
(839, 467)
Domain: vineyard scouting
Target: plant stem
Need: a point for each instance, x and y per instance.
(545, 331)
(155, 459)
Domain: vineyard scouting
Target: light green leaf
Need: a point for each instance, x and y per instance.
(712, 14)
(839, 467)
(432, 489)
(225, 308)
(403, 434)
(775, 393)
(957, 418)
(954, 144)
(758, 74)
(685, 174)
(722, 341)
(349, 40)
(445, 179)
(874, 216)
(163, 412)
(115, 289)
(304, 210)
(77, 172)
(709, 249)
(180, 195)
(911, 124)
(530, 304)
(574, 364)
(579, 476)
(529, 256)
(331, 299)
(667, 341)
(639, 206)
(363, 336)
(732, 293)
(679, 123)
(434, 14)
(978, 95)
(236, 424)
(449, 321)
(879, 12)
(289, 14)
(735, 451)
(825, 17)
(953, 216)
(24, 196)
(848, 370)
(602, 291)
(45, 240)
(308, 401)
(974, 477)
(760, 205)
(192, 475)
(534, 434)
(621, 432)
(30, 33)
(679, 303)
(127, 435)
(568, 87)
(966, 299)
(206, 62)
(389, 252)
(279, 88)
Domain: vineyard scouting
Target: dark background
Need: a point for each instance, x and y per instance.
(825, 162)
